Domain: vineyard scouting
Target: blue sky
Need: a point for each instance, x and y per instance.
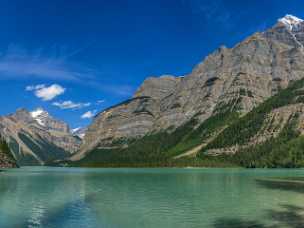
(72, 57)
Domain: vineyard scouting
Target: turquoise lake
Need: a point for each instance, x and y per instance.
(78, 197)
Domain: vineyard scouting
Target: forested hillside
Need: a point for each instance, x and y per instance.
(6, 158)
(283, 147)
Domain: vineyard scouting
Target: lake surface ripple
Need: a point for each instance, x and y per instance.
(79, 197)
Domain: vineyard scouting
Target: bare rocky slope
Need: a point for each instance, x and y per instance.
(36, 137)
(194, 110)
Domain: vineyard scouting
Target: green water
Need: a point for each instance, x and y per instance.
(72, 197)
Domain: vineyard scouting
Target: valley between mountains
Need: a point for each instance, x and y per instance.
(241, 106)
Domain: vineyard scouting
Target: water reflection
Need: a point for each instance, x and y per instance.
(56, 197)
(35, 199)
(287, 184)
(289, 216)
(286, 216)
(237, 223)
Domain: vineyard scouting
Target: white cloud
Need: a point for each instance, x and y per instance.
(88, 115)
(71, 105)
(46, 93)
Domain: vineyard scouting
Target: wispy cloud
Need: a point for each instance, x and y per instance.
(34, 87)
(100, 101)
(19, 63)
(71, 105)
(46, 93)
(89, 114)
(120, 90)
(54, 64)
(123, 90)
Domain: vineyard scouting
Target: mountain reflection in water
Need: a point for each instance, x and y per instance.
(68, 197)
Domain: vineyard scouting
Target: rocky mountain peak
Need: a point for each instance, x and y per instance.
(40, 115)
(236, 79)
(36, 137)
(290, 21)
(158, 87)
(79, 131)
(38, 112)
(22, 110)
(45, 120)
(23, 115)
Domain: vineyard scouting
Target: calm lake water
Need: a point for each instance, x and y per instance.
(72, 197)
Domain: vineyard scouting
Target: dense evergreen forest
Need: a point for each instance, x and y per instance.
(223, 129)
(6, 157)
(4, 148)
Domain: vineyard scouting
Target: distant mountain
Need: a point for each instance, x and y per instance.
(36, 137)
(79, 132)
(238, 100)
(48, 122)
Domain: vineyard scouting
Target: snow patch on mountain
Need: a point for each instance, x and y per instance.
(291, 21)
(40, 115)
(79, 131)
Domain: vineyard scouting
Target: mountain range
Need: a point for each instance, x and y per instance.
(241, 106)
(36, 137)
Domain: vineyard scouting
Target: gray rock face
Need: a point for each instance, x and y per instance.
(241, 78)
(36, 137)
(158, 88)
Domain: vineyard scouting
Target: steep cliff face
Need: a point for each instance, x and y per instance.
(133, 118)
(236, 79)
(36, 137)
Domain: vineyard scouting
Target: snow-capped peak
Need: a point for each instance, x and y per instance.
(79, 131)
(39, 115)
(290, 21)
(37, 112)
(75, 130)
